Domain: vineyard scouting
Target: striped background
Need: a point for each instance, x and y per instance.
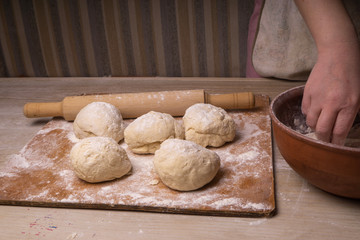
(123, 37)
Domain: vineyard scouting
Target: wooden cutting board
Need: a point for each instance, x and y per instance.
(41, 175)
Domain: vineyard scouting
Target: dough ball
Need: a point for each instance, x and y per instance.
(208, 125)
(146, 133)
(99, 119)
(184, 165)
(98, 159)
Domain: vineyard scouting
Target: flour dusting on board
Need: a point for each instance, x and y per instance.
(244, 183)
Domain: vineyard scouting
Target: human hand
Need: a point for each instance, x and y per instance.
(332, 93)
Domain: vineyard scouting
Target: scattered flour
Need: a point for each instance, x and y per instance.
(244, 160)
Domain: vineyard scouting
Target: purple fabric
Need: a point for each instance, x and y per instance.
(253, 24)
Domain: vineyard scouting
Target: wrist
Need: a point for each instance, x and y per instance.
(349, 49)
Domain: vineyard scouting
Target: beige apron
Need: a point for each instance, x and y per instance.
(284, 47)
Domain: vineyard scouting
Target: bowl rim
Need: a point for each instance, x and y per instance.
(299, 136)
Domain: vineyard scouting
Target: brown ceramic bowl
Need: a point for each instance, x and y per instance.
(332, 168)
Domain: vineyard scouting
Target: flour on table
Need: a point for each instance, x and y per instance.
(246, 165)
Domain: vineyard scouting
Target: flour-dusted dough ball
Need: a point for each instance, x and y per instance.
(208, 125)
(145, 134)
(184, 165)
(98, 159)
(99, 119)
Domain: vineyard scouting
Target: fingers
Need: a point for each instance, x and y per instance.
(310, 110)
(342, 126)
(331, 125)
(306, 101)
(330, 120)
(324, 124)
(312, 117)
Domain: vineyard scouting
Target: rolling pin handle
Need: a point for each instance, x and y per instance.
(34, 110)
(241, 100)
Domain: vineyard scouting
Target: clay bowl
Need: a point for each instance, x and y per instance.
(332, 168)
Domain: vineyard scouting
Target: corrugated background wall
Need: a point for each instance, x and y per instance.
(123, 37)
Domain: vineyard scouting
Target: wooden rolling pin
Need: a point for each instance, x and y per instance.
(133, 105)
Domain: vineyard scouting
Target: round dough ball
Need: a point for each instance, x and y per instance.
(99, 119)
(184, 165)
(208, 125)
(146, 133)
(98, 159)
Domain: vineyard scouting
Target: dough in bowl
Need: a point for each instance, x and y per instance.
(145, 134)
(352, 140)
(98, 159)
(184, 165)
(99, 119)
(208, 125)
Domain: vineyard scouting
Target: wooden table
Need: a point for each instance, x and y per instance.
(303, 211)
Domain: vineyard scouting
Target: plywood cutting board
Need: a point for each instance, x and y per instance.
(41, 175)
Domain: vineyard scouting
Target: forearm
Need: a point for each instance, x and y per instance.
(329, 23)
(332, 92)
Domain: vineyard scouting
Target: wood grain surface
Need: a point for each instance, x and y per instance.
(302, 210)
(41, 175)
